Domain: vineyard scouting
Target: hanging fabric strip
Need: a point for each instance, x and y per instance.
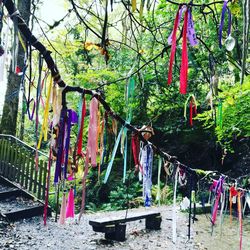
(147, 163)
(158, 196)
(184, 58)
(60, 145)
(70, 208)
(105, 124)
(38, 95)
(44, 130)
(92, 132)
(80, 133)
(47, 188)
(232, 194)
(224, 9)
(173, 47)
(174, 215)
(125, 155)
(218, 191)
(191, 32)
(223, 198)
(240, 217)
(113, 156)
(63, 210)
(219, 116)
(133, 5)
(136, 150)
(190, 97)
(191, 113)
(67, 143)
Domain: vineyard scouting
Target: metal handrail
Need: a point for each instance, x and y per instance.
(23, 143)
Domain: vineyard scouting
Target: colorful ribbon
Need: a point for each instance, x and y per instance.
(188, 31)
(113, 156)
(184, 58)
(218, 191)
(82, 114)
(240, 217)
(147, 163)
(224, 9)
(92, 132)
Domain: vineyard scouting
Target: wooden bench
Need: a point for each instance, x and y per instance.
(115, 228)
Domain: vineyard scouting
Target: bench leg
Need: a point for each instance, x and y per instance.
(119, 234)
(153, 223)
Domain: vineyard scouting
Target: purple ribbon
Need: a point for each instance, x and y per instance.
(72, 119)
(224, 9)
(60, 144)
(191, 31)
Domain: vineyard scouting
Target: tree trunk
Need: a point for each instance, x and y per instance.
(10, 108)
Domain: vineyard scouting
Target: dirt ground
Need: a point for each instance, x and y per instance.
(31, 234)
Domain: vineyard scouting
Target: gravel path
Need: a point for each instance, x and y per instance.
(31, 234)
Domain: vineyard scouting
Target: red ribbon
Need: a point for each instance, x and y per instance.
(173, 48)
(184, 58)
(79, 143)
(136, 150)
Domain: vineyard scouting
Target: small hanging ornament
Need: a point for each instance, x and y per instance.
(230, 41)
(192, 109)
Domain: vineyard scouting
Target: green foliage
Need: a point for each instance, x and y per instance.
(235, 115)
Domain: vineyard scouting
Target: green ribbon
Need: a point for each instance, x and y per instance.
(124, 141)
(113, 156)
(219, 116)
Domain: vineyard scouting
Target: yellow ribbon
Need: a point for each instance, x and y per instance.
(44, 131)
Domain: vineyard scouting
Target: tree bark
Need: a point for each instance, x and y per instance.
(10, 108)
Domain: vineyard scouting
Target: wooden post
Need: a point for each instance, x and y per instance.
(32, 167)
(39, 195)
(45, 172)
(27, 177)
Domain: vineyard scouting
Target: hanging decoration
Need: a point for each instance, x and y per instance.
(218, 191)
(70, 208)
(81, 114)
(113, 156)
(188, 32)
(192, 108)
(219, 121)
(147, 163)
(124, 140)
(232, 200)
(230, 41)
(63, 210)
(240, 217)
(135, 143)
(92, 132)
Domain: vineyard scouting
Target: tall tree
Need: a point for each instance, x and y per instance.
(10, 108)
